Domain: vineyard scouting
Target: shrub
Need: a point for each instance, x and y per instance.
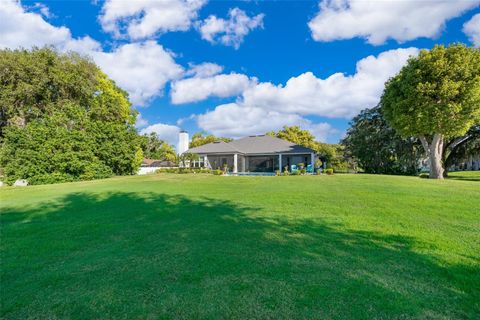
(303, 171)
(319, 171)
(278, 173)
(217, 172)
(295, 173)
(424, 175)
(329, 171)
(301, 165)
(286, 173)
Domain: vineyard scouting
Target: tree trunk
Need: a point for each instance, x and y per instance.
(434, 152)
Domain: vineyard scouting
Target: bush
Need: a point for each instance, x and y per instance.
(278, 173)
(303, 171)
(424, 175)
(168, 170)
(286, 173)
(295, 173)
(329, 171)
(217, 172)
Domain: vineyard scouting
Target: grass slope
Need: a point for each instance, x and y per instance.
(173, 246)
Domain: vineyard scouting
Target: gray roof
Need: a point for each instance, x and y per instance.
(263, 144)
(214, 147)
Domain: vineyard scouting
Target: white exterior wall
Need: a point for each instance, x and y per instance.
(182, 142)
(147, 170)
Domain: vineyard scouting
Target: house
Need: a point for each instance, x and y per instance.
(152, 165)
(261, 153)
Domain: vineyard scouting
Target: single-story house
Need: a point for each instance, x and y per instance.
(152, 165)
(262, 153)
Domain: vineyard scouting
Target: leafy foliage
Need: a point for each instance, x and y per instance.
(436, 92)
(378, 148)
(436, 96)
(331, 153)
(62, 119)
(155, 148)
(199, 139)
(296, 135)
(460, 148)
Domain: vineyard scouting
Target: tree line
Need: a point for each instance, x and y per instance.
(62, 119)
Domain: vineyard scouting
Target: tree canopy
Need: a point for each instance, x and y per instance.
(155, 148)
(200, 138)
(435, 96)
(62, 119)
(331, 153)
(296, 135)
(378, 148)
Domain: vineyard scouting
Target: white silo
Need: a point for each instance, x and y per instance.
(182, 142)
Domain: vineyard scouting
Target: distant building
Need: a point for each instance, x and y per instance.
(152, 165)
(261, 153)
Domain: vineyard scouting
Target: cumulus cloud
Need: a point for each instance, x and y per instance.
(265, 106)
(338, 95)
(472, 29)
(145, 18)
(197, 88)
(141, 122)
(378, 21)
(165, 132)
(19, 28)
(231, 31)
(235, 121)
(203, 70)
(142, 69)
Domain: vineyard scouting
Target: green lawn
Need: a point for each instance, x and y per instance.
(209, 247)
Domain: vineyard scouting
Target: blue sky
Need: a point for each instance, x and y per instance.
(235, 68)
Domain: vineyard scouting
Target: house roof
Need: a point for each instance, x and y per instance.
(214, 147)
(156, 163)
(263, 144)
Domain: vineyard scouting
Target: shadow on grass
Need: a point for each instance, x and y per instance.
(464, 177)
(125, 255)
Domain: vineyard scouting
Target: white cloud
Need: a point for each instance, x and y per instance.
(197, 89)
(19, 28)
(43, 9)
(165, 132)
(338, 95)
(142, 69)
(141, 122)
(203, 70)
(235, 121)
(472, 29)
(232, 31)
(380, 20)
(145, 18)
(264, 106)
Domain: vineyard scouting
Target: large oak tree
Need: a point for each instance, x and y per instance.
(436, 96)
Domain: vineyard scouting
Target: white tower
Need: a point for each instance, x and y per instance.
(182, 142)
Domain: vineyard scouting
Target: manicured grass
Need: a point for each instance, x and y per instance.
(465, 175)
(208, 247)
